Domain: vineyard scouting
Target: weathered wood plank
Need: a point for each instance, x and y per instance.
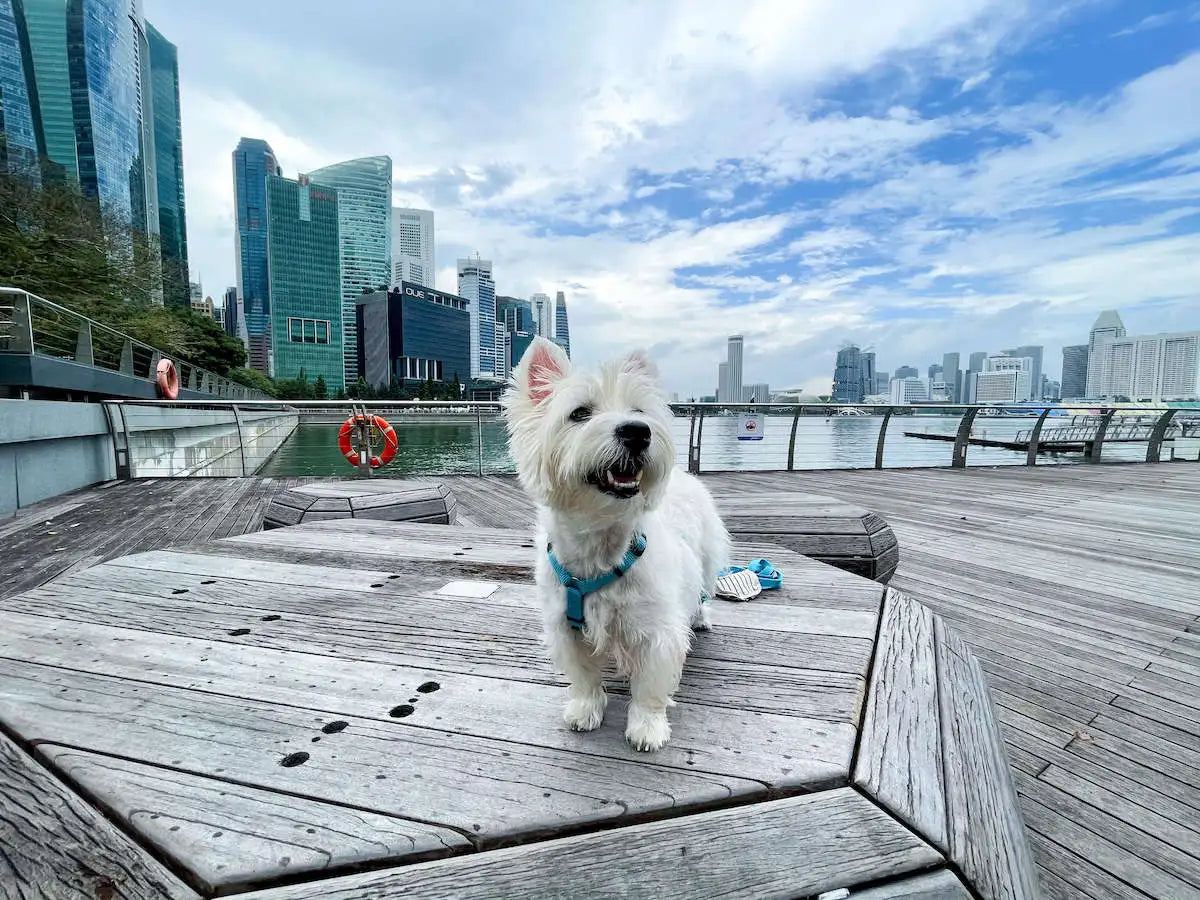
(900, 751)
(52, 844)
(231, 837)
(787, 848)
(940, 885)
(985, 833)
(491, 790)
(785, 752)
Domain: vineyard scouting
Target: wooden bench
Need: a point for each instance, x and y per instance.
(269, 713)
(389, 499)
(821, 528)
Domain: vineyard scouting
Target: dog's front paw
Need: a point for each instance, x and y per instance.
(701, 620)
(585, 713)
(647, 730)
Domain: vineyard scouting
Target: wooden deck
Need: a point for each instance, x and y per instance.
(1077, 587)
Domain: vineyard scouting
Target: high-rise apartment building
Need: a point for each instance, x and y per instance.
(475, 283)
(412, 246)
(364, 199)
(253, 162)
(304, 255)
(562, 330)
(168, 163)
(952, 377)
(1074, 371)
(848, 375)
(21, 139)
(1108, 327)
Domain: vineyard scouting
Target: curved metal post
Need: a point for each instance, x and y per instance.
(479, 439)
(1154, 448)
(237, 419)
(1096, 444)
(792, 441)
(699, 440)
(1031, 451)
(962, 439)
(887, 417)
(691, 439)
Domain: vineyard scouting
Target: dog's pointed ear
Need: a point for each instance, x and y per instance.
(543, 364)
(638, 363)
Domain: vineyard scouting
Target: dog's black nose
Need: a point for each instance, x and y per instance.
(634, 435)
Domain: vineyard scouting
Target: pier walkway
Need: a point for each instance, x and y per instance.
(1078, 588)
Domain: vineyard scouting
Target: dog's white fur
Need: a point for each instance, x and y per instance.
(644, 620)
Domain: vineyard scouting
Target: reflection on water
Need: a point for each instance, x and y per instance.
(839, 442)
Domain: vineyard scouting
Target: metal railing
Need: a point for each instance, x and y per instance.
(161, 439)
(33, 326)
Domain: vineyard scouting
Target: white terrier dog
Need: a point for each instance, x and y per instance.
(630, 547)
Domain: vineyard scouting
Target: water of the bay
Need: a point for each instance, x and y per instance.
(456, 446)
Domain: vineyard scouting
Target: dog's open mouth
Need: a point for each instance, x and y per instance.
(623, 479)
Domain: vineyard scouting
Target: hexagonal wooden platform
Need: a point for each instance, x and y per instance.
(272, 712)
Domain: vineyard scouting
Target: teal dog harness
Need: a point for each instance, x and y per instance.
(578, 588)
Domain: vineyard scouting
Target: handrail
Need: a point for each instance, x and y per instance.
(72, 336)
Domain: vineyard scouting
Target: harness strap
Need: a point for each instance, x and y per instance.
(577, 589)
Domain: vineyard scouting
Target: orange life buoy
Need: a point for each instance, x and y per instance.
(390, 444)
(167, 379)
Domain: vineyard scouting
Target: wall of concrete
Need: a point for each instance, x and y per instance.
(49, 448)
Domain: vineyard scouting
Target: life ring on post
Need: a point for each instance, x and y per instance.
(167, 379)
(346, 443)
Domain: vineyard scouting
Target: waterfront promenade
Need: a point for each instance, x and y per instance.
(1078, 588)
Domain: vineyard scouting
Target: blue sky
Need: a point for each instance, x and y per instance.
(954, 175)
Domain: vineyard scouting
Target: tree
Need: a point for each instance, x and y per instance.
(320, 391)
(252, 378)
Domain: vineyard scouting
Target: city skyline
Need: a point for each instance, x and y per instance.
(1030, 169)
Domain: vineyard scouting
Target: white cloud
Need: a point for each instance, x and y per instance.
(526, 126)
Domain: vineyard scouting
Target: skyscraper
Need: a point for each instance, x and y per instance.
(847, 375)
(168, 164)
(882, 379)
(46, 29)
(412, 246)
(21, 141)
(733, 355)
(1108, 327)
(952, 377)
(516, 314)
(364, 199)
(1148, 367)
(867, 364)
(976, 364)
(562, 331)
(723, 395)
(304, 255)
(1074, 371)
(935, 370)
(543, 315)
(1033, 352)
(906, 372)
(253, 162)
(476, 284)
(231, 312)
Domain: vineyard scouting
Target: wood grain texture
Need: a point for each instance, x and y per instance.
(940, 885)
(900, 749)
(986, 834)
(230, 837)
(786, 848)
(785, 752)
(382, 499)
(54, 845)
(489, 789)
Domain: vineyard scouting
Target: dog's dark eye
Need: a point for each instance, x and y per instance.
(581, 414)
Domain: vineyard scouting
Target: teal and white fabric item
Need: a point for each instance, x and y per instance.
(747, 582)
